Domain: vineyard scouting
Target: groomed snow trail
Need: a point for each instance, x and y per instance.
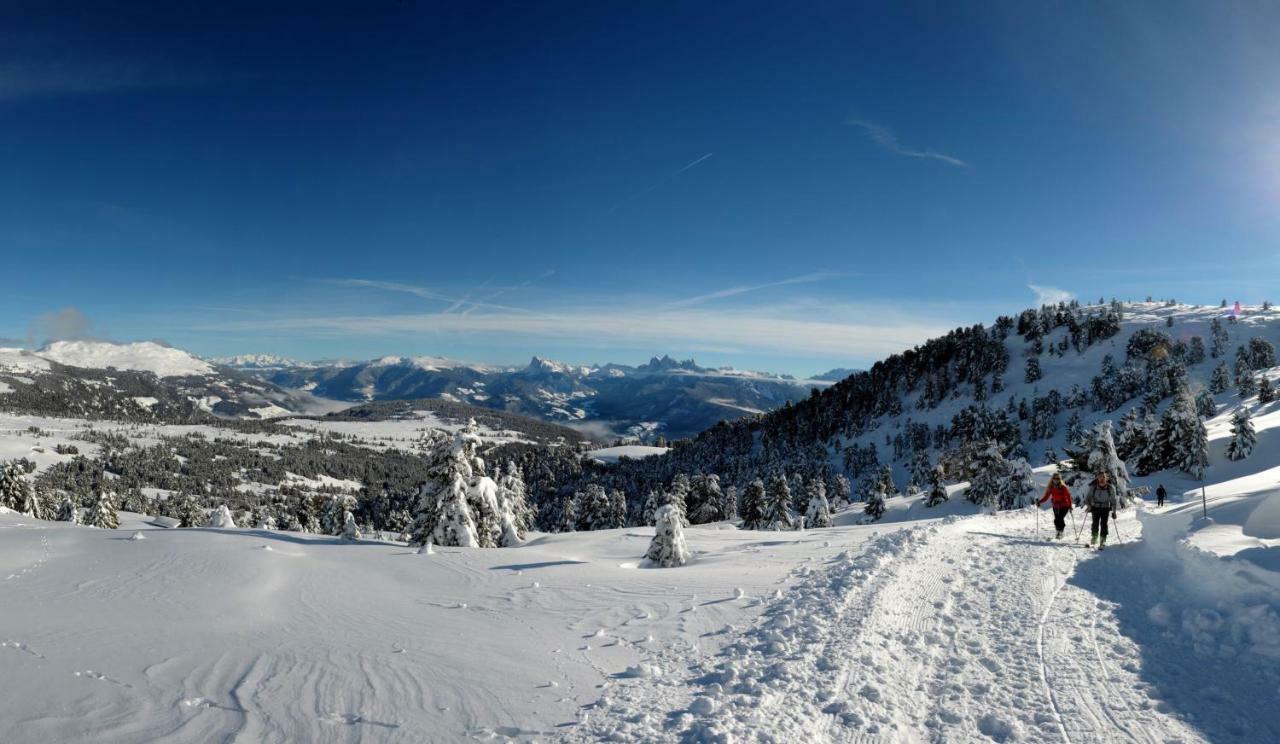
(965, 630)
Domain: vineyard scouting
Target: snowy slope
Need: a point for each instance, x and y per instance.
(142, 356)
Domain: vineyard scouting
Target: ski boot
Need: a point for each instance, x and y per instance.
(1058, 536)
(1102, 544)
(1093, 540)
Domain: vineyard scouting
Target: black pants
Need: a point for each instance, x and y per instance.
(1159, 500)
(1060, 517)
(1100, 518)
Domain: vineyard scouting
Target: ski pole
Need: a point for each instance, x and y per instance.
(1078, 529)
(1072, 512)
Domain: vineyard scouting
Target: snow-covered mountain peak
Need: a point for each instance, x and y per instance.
(258, 361)
(140, 356)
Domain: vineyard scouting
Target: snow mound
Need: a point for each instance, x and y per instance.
(142, 356)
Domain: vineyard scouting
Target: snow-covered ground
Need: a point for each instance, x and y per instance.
(957, 629)
(633, 451)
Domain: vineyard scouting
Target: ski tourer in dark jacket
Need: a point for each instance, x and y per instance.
(1102, 503)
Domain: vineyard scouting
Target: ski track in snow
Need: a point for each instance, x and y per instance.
(966, 630)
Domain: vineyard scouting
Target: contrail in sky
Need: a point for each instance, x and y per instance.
(639, 194)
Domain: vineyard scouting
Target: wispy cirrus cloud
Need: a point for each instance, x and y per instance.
(1050, 295)
(744, 289)
(453, 302)
(885, 137)
(836, 332)
(36, 79)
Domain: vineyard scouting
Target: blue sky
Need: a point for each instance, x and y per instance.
(746, 183)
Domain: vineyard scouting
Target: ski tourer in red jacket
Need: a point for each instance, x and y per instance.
(1060, 498)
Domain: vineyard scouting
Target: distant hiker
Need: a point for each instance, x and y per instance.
(1060, 500)
(1160, 494)
(1101, 503)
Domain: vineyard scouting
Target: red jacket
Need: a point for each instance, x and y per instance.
(1060, 495)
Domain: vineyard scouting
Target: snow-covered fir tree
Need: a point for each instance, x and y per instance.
(459, 504)
(989, 476)
(705, 499)
(617, 509)
(1103, 458)
(1184, 443)
(1243, 437)
(67, 511)
(221, 518)
(818, 513)
(937, 490)
(14, 489)
(569, 514)
(875, 499)
(594, 509)
(266, 521)
(840, 489)
(349, 529)
(1033, 372)
(728, 503)
(649, 511)
(777, 503)
(513, 501)
(333, 517)
(1220, 380)
(754, 512)
(1218, 338)
(668, 548)
(1020, 486)
(1266, 391)
(921, 469)
(884, 478)
(677, 495)
(103, 512)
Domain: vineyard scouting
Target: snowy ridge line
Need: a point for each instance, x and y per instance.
(777, 681)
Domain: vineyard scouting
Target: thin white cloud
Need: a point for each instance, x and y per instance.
(426, 293)
(1050, 295)
(885, 137)
(21, 80)
(734, 291)
(764, 329)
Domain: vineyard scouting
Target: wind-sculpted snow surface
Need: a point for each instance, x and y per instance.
(964, 629)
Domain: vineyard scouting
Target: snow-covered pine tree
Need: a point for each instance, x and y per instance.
(1184, 444)
(617, 509)
(1103, 458)
(818, 513)
(989, 476)
(103, 512)
(668, 548)
(840, 489)
(1266, 391)
(34, 504)
(1075, 427)
(266, 521)
(1020, 487)
(650, 509)
(1033, 372)
(1129, 437)
(1220, 381)
(754, 512)
(677, 494)
(349, 529)
(453, 524)
(1206, 406)
(67, 511)
(1217, 338)
(777, 504)
(875, 499)
(595, 511)
(705, 499)
(333, 519)
(14, 489)
(1147, 455)
(514, 499)
(921, 468)
(221, 518)
(1243, 437)
(937, 490)
(884, 477)
(569, 513)
(729, 503)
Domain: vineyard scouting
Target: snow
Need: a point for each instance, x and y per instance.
(633, 451)
(21, 360)
(145, 401)
(142, 356)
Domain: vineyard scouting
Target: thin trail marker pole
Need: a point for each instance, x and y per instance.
(1204, 503)
(1037, 508)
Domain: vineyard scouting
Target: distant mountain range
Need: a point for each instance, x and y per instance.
(147, 381)
(663, 398)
